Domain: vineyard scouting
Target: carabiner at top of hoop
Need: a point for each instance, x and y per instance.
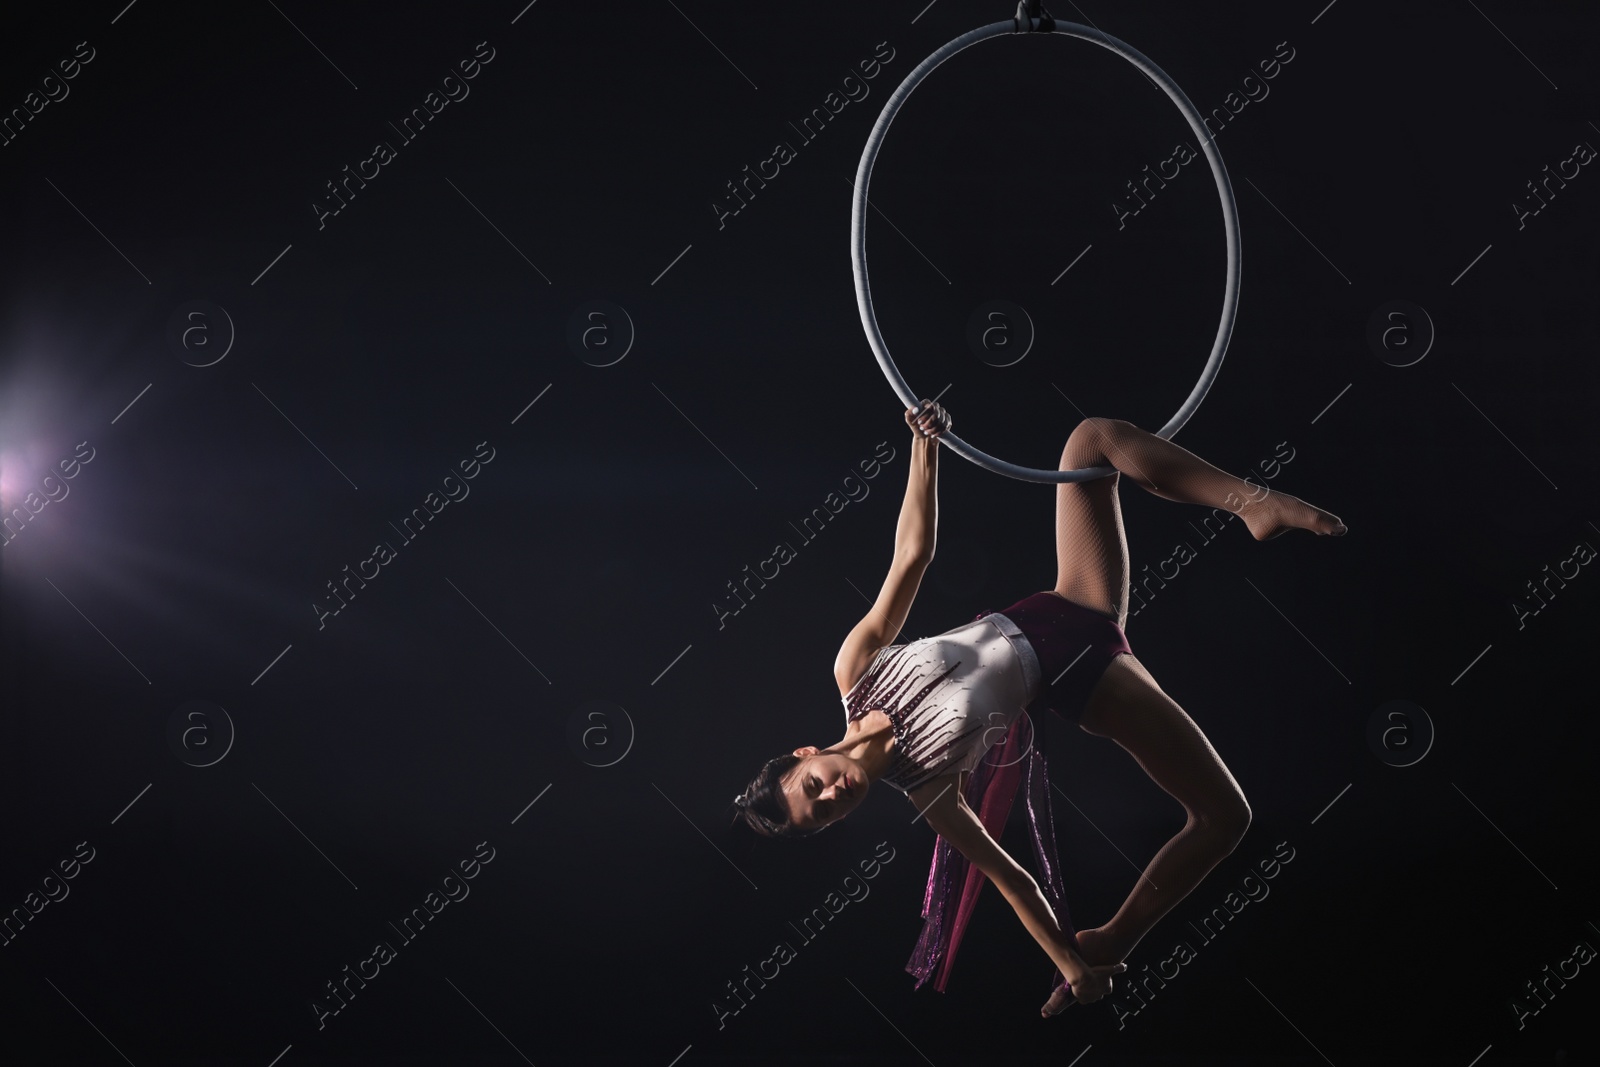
(1027, 12)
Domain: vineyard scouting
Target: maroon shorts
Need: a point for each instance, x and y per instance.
(1074, 645)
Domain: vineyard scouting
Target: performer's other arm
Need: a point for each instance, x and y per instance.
(914, 540)
(948, 813)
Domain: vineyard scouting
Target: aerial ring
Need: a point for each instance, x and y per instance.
(858, 242)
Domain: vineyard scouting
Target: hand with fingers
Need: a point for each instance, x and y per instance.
(1089, 987)
(928, 419)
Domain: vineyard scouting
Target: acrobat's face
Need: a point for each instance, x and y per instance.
(823, 787)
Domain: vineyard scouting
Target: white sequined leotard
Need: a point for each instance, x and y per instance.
(949, 697)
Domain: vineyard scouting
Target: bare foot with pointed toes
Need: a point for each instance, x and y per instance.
(1277, 513)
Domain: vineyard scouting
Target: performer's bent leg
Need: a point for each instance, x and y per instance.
(1127, 705)
(1130, 708)
(1175, 473)
(1091, 548)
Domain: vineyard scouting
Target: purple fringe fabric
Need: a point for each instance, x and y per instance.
(954, 884)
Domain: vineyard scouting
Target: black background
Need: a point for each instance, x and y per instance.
(381, 749)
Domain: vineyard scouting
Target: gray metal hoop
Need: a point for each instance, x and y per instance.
(858, 241)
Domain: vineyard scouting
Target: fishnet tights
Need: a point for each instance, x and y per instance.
(1091, 545)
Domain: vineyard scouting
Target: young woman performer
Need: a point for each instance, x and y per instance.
(923, 715)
